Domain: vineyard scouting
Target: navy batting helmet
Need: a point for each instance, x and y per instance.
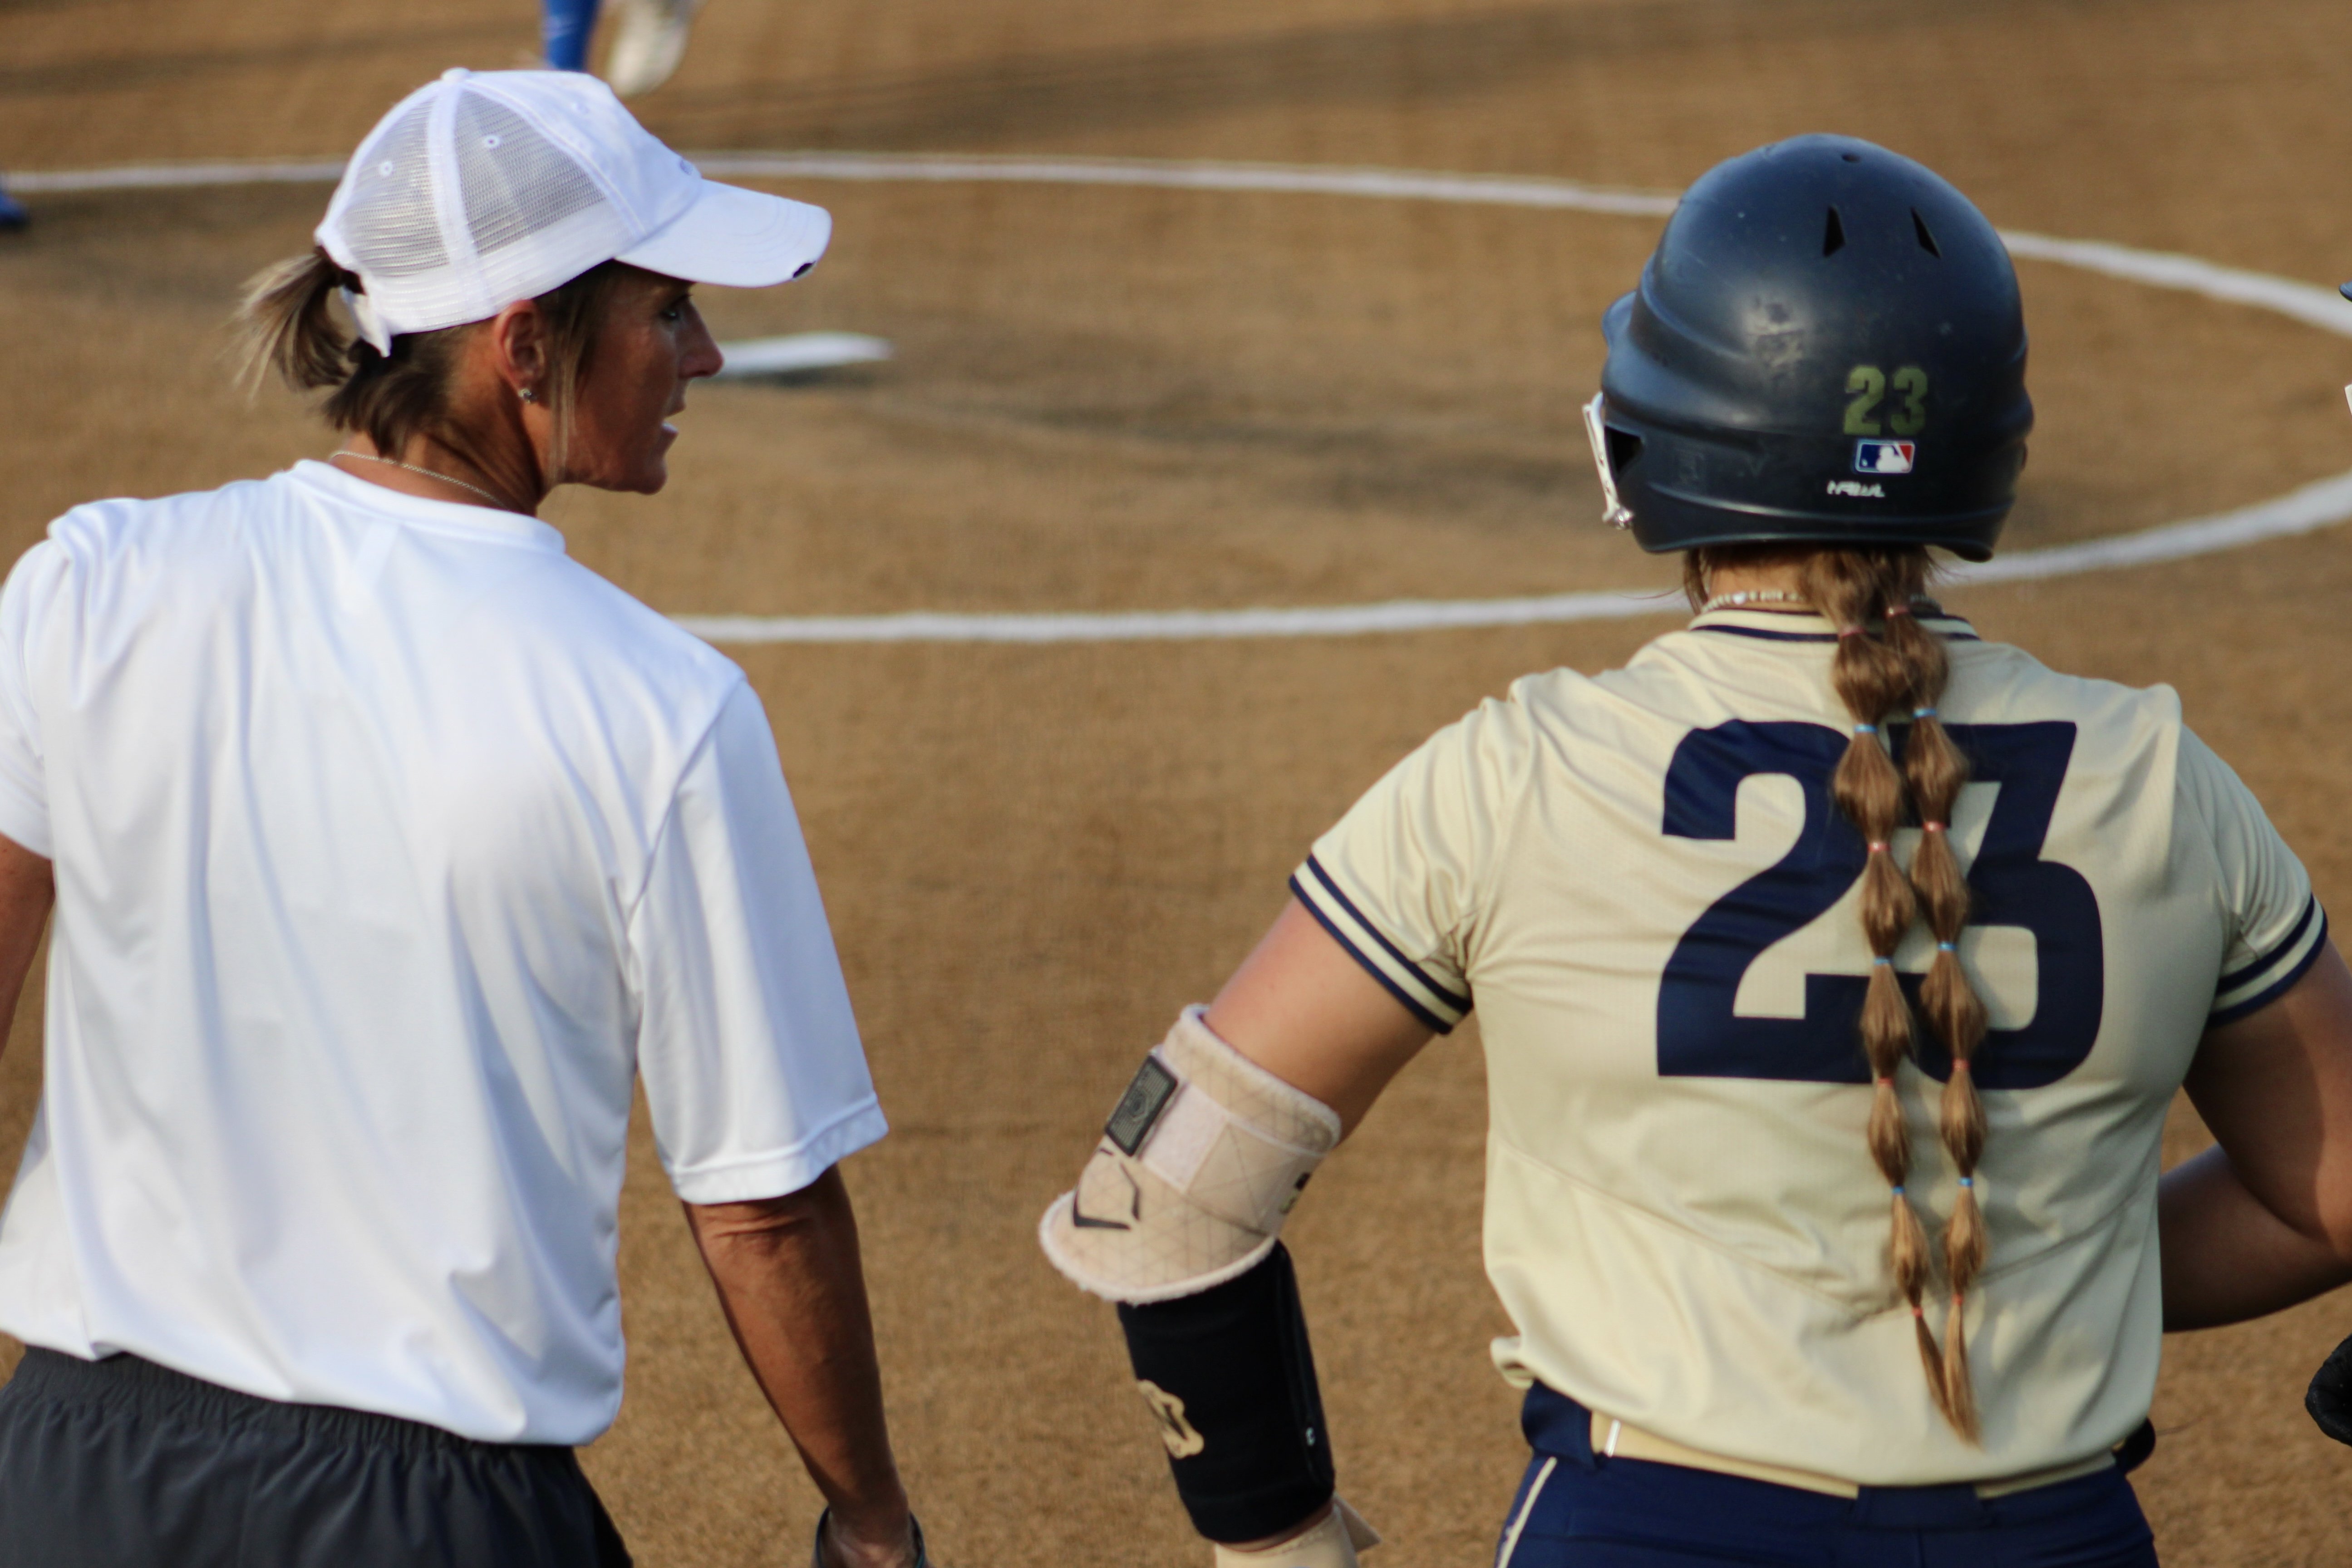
(1826, 346)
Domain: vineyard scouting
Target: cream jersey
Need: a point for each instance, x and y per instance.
(392, 846)
(1642, 880)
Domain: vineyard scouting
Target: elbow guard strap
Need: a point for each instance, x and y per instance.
(1229, 1376)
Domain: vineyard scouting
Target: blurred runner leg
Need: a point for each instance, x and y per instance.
(564, 29)
(648, 42)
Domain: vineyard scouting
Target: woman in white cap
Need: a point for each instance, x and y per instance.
(387, 847)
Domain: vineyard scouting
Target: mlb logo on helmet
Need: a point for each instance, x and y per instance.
(1884, 456)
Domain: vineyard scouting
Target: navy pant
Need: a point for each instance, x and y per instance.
(1576, 1508)
(124, 1464)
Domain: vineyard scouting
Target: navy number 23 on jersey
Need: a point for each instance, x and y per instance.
(1700, 1036)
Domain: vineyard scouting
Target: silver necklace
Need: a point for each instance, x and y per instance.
(1747, 597)
(396, 463)
(1752, 597)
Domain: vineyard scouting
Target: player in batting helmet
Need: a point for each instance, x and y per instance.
(1837, 968)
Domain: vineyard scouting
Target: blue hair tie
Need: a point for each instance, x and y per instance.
(1882, 960)
(1967, 1181)
(1945, 947)
(1922, 712)
(1898, 1192)
(1865, 729)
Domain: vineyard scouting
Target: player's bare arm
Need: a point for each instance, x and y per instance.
(790, 1277)
(1322, 1038)
(1186, 1239)
(1301, 1008)
(2263, 1219)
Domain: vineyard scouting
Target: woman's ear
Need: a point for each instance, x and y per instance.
(519, 348)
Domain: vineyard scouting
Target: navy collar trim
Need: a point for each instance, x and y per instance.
(1765, 625)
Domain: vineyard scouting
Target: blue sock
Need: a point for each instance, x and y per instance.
(564, 27)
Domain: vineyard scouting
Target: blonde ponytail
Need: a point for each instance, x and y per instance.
(1934, 772)
(286, 323)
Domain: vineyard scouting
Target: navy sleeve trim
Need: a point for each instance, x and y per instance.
(2277, 988)
(1412, 1004)
(1442, 993)
(2239, 976)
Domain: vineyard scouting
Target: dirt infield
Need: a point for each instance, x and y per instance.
(1146, 399)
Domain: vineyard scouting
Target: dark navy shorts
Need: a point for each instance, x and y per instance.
(1576, 1508)
(123, 1464)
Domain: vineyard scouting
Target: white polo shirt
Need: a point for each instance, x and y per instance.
(391, 845)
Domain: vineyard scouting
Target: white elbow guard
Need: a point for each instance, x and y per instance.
(1197, 1167)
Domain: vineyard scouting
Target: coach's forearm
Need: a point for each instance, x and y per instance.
(2226, 1257)
(791, 1279)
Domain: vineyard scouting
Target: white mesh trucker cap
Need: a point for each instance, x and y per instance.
(481, 189)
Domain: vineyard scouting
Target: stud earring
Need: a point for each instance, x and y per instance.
(527, 394)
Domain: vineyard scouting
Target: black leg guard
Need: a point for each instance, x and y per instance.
(1229, 1377)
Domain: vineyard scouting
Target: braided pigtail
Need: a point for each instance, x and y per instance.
(1934, 772)
(1889, 668)
(1850, 587)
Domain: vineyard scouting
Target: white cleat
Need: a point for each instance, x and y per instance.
(647, 44)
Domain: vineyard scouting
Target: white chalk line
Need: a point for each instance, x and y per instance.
(1182, 625)
(2315, 506)
(1488, 190)
(173, 176)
